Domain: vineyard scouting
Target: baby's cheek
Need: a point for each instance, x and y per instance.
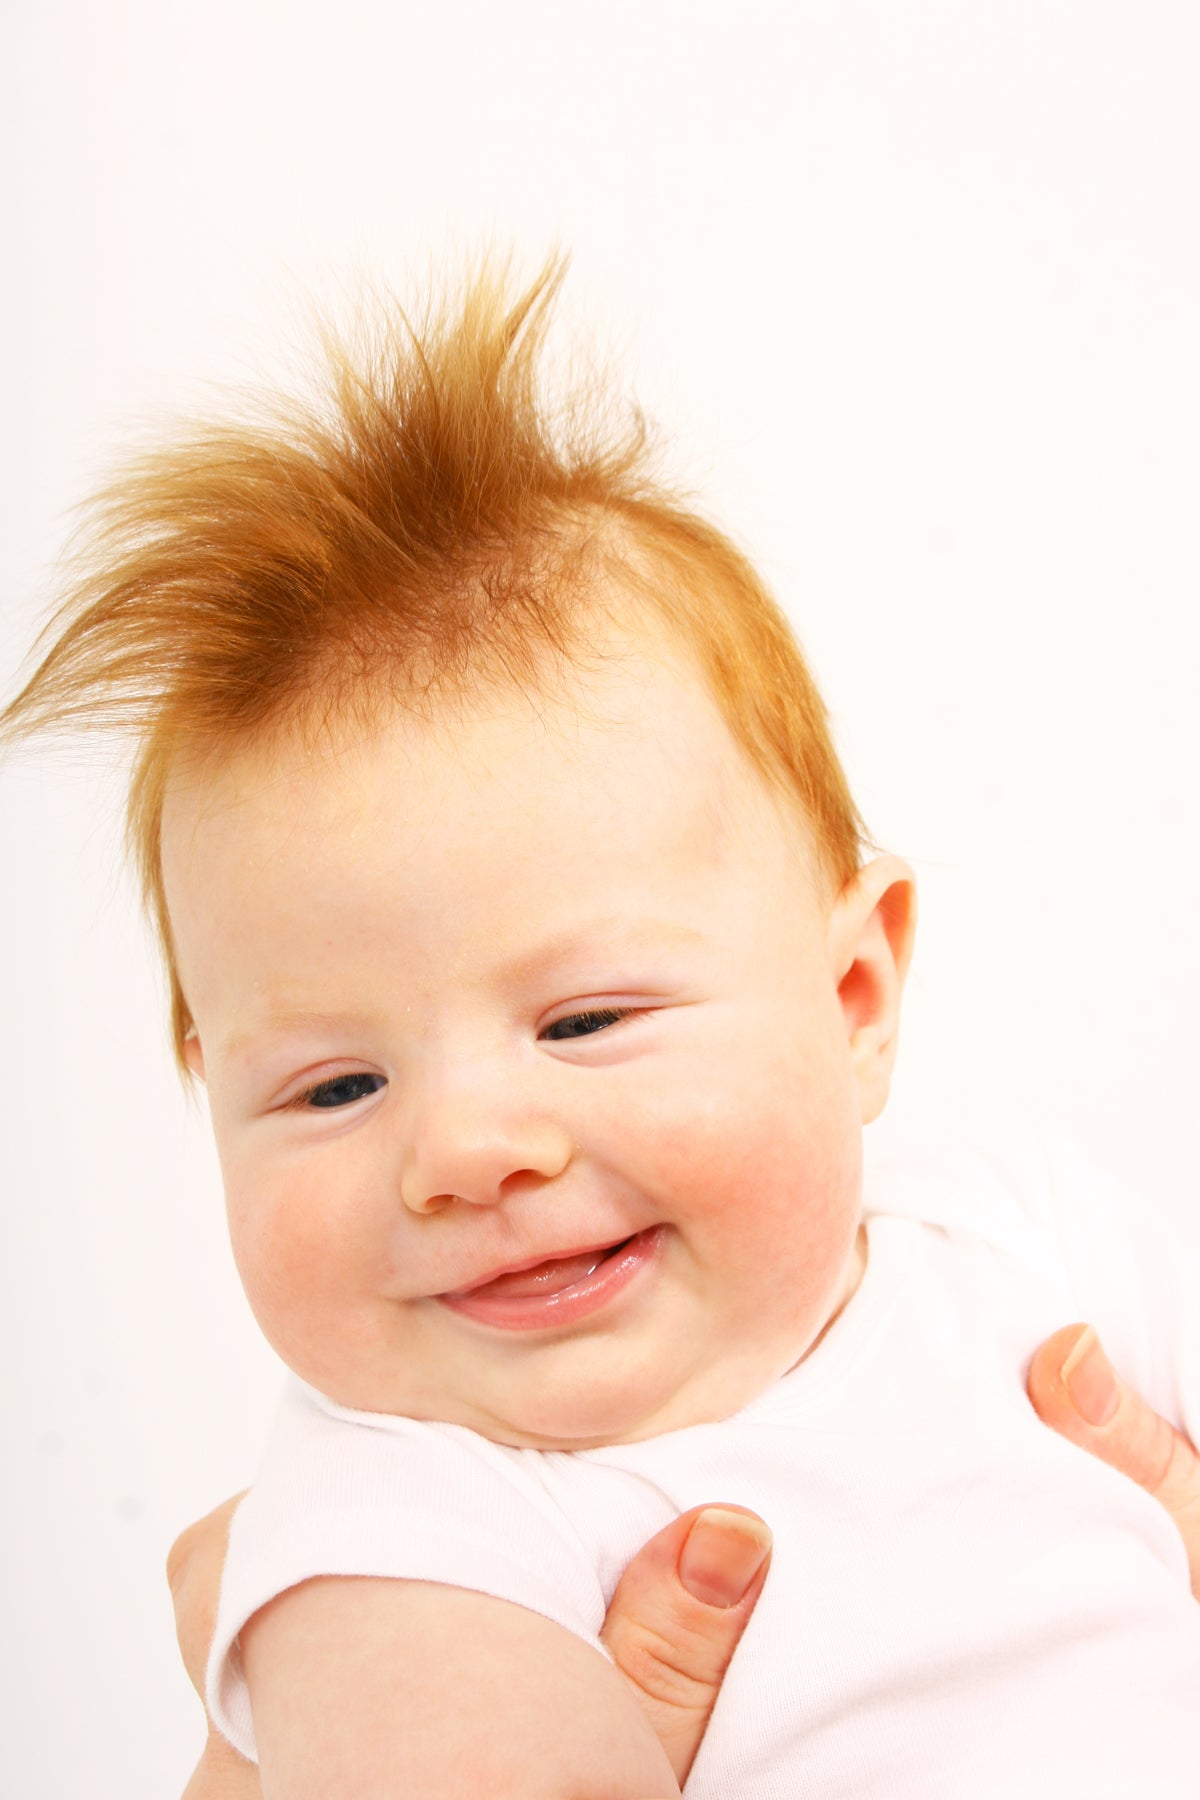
(770, 1194)
(298, 1264)
(761, 1152)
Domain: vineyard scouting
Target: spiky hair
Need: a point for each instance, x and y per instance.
(422, 522)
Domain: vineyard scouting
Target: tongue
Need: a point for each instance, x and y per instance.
(548, 1278)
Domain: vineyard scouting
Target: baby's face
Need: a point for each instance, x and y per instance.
(512, 989)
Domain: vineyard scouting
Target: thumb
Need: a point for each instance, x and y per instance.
(1074, 1389)
(678, 1614)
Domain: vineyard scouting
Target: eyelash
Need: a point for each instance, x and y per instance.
(599, 1018)
(309, 1098)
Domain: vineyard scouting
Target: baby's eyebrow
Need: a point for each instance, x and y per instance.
(609, 935)
(280, 1023)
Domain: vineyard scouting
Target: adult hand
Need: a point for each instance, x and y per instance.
(673, 1626)
(1074, 1389)
(675, 1620)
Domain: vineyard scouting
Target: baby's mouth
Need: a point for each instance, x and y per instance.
(549, 1277)
(561, 1291)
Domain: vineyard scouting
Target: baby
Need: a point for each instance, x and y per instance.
(518, 923)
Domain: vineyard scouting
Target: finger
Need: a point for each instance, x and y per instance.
(678, 1614)
(1074, 1389)
(194, 1564)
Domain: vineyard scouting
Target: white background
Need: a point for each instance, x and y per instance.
(916, 289)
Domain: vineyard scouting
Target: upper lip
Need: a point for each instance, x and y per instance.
(534, 1262)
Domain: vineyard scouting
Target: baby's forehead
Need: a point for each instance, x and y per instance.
(601, 733)
(617, 684)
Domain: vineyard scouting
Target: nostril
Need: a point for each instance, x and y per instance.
(427, 1203)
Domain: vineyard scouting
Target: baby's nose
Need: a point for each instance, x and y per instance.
(464, 1149)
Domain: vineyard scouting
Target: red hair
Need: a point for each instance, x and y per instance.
(423, 524)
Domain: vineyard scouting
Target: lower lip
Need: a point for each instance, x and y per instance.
(544, 1312)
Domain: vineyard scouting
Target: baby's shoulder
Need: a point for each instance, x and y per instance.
(336, 1456)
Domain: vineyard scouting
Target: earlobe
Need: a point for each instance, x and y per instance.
(193, 1055)
(873, 924)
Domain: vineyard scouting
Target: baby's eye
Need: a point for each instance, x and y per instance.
(340, 1090)
(584, 1023)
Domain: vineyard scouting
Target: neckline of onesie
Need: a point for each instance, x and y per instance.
(893, 1253)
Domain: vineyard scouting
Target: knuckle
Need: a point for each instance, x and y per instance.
(1175, 1480)
(679, 1672)
(1157, 1454)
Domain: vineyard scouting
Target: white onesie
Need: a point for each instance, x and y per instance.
(960, 1604)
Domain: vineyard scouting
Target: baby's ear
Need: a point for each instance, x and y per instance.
(193, 1055)
(871, 938)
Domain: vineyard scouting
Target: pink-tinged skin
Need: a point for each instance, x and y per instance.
(576, 976)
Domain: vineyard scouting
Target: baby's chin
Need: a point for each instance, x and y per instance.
(618, 1413)
(585, 1419)
(589, 1417)
(598, 1412)
(594, 1416)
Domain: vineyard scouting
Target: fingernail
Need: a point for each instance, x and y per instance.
(722, 1554)
(1090, 1381)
